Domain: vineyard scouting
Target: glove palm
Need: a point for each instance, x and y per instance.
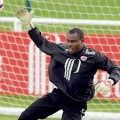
(104, 87)
(25, 16)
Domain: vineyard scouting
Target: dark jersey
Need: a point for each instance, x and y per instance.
(73, 74)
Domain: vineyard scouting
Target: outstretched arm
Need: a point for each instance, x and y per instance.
(41, 42)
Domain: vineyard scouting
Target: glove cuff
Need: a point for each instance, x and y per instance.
(111, 81)
(29, 26)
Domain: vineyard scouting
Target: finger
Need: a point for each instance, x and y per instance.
(100, 87)
(23, 10)
(32, 12)
(20, 12)
(105, 91)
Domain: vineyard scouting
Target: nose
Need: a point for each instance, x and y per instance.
(69, 44)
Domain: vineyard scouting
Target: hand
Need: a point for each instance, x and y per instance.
(104, 87)
(25, 16)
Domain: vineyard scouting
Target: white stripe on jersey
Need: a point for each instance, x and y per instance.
(68, 68)
(78, 66)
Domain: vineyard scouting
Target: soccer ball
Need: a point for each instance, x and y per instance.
(1, 4)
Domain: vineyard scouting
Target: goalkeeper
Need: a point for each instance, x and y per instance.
(71, 70)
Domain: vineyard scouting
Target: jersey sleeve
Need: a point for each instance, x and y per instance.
(104, 63)
(42, 43)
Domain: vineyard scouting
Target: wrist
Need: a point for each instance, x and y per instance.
(29, 26)
(111, 81)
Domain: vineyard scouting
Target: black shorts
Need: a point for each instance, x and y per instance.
(51, 103)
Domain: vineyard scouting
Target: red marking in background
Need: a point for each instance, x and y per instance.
(14, 53)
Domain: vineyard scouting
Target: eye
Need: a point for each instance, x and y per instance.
(67, 40)
(73, 41)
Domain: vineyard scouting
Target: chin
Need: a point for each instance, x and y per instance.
(71, 52)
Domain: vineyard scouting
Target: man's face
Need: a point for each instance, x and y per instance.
(74, 43)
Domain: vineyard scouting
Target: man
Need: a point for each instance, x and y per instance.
(71, 70)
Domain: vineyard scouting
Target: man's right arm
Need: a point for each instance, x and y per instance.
(41, 42)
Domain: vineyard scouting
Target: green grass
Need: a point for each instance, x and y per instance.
(8, 117)
(72, 9)
(2, 117)
(96, 104)
(104, 105)
(16, 101)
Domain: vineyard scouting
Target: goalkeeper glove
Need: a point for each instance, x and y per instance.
(104, 87)
(25, 16)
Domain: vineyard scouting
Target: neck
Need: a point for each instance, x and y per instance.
(79, 51)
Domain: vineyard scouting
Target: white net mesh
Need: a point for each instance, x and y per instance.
(23, 68)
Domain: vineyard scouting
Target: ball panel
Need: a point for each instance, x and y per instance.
(1, 4)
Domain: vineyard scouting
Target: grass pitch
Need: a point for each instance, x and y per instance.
(15, 118)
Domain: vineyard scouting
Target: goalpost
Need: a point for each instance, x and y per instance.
(23, 68)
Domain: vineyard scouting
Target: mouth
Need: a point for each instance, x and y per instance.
(71, 51)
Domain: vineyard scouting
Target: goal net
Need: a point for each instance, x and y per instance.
(23, 68)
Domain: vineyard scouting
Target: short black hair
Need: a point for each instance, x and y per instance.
(78, 31)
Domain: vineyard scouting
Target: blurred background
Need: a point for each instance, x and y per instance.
(23, 68)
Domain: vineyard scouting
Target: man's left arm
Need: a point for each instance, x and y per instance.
(104, 63)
